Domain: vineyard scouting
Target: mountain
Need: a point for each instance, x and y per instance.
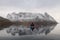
(24, 16)
(4, 23)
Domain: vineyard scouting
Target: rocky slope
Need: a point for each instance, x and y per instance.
(4, 23)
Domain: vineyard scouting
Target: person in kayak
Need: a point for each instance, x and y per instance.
(32, 26)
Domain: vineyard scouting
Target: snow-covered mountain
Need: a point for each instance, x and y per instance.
(30, 16)
(48, 17)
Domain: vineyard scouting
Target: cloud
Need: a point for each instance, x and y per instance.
(30, 3)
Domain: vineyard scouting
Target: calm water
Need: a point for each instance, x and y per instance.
(52, 35)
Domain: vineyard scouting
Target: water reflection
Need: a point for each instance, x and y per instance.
(22, 30)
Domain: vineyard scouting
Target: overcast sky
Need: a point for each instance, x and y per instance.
(50, 6)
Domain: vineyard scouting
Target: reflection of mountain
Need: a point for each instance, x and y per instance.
(22, 30)
(47, 29)
(4, 23)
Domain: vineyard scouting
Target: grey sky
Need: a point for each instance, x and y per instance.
(30, 3)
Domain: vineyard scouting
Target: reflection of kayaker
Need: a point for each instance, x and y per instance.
(32, 26)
